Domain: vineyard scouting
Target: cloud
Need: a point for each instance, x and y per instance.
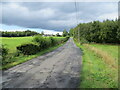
(60, 0)
(17, 28)
(51, 32)
(55, 15)
(111, 16)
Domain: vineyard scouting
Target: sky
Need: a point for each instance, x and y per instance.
(53, 17)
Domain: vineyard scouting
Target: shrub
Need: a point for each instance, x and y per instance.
(83, 41)
(40, 41)
(28, 49)
(17, 53)
(66, 38)
(44, 42)
(53, 41)
(3, 54)
(48, 42)
(3, 51)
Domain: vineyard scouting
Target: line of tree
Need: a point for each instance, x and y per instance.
(107, 31)
(18, 33)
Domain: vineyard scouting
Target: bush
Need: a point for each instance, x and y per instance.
(28, 49)
(42, 42)
(3, 51)
(17, 53)
(83, 41)
(53, 41)
(66, 38)
(3, 54)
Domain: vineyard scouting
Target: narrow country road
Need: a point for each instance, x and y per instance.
(57, 69)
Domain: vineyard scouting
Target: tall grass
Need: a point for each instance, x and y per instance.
(112, 50)
(106, 57)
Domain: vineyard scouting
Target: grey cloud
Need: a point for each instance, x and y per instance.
(53, 16)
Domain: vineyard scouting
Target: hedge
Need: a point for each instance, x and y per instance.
(40, 43)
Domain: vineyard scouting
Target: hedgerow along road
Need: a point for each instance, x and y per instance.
(57, 69)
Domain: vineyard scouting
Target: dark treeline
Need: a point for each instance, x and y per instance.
(107, 31)
(18, 33)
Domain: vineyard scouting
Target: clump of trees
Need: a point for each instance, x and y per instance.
(18, 33)
(107, 31)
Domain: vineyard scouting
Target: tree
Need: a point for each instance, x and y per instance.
(42, 33)
(71, 32)
(18, 33)
(107, 31)
(58, 35)
(65, 33)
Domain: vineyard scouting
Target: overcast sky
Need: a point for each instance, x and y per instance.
(53, 16)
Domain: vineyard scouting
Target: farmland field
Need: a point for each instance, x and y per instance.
(96, 73)
(12, 42)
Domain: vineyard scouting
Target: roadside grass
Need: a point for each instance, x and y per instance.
(107, 58)
(96, 73)
(21, 59)
(112, 50)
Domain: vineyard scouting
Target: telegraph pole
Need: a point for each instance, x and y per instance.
(77, 18)
(78, 35)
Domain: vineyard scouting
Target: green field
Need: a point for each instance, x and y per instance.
(12, 42)
(96, 73)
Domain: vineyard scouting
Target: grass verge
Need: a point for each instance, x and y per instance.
(96, 73)
(107, 58)
(21, 59)
(112, 50)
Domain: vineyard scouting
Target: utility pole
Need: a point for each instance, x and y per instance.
(77, 18)
(78, 35)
